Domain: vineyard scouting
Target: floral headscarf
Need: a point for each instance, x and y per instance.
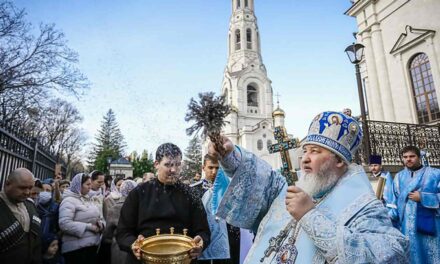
(126, 187)
(75, 185)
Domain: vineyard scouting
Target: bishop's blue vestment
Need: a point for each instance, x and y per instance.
(349, 226)
(424, 248)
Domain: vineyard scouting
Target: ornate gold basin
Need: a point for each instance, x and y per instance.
(166, 248)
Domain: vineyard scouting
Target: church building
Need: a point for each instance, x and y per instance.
(401, 67)
(247, 88)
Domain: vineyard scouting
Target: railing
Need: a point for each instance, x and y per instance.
(388, 138)
(17, 149)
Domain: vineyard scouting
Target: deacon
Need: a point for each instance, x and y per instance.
(331, 216)
(384, 190)
(162, 202)
(225, 239)
(20, 231)
(416, 198)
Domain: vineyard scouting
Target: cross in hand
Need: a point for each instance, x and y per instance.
(283, 146)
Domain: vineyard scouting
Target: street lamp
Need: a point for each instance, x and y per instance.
(355, 53)
(109, 160)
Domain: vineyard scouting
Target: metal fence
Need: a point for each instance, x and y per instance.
(19, 150)
(388, 138)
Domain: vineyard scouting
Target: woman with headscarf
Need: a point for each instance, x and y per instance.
(113, 196)
(109, 201)
(113, 213)
(81, 223)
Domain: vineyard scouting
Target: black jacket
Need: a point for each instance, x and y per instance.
(154, 205)
(17, 246)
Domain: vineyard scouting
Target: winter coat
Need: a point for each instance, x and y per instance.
(113, 214)
(75, 214)
(49, 217)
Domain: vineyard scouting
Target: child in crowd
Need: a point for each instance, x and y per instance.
(51, 252)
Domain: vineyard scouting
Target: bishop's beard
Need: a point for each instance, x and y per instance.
(315, 184)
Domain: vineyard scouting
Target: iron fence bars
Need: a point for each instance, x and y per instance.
(20, 150)
(388, 138)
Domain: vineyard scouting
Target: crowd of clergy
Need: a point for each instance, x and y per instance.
(240, 211)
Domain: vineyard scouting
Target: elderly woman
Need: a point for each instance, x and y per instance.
(113, 213)
(81, 222)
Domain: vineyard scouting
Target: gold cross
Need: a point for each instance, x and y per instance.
(283, 146)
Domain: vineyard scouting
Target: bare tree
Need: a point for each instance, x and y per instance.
(32, 65)
(71, 149)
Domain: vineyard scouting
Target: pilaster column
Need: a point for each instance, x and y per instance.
(382, 73)
(375, 109)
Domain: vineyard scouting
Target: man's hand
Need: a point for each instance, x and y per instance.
(135, 247)
(227, 145)
(415, 196)
(298, 203)
(198, 248)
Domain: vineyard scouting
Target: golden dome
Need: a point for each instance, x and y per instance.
(278, 112)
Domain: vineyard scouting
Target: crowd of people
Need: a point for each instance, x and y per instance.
(237, 210)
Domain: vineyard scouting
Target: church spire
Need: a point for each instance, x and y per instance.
(244, 38)
(246, 86)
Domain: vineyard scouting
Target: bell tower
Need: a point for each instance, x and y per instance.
(246, 86)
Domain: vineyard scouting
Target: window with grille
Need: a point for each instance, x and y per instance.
(423, 89)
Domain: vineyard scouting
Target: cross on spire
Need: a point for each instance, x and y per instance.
(278, 99)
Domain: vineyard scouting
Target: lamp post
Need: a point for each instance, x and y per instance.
(355, 52)
(109, 160)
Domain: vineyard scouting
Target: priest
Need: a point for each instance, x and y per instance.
(330, 216)
(415, 205)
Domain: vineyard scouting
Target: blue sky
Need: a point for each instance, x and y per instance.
(145, 59)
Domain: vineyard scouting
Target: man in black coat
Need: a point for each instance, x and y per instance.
(163, 202)
(20, 233)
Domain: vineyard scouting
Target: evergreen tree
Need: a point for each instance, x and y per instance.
(109, 143)
(141, 164)
(193, 159)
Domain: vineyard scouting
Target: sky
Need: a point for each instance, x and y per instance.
(145, 59)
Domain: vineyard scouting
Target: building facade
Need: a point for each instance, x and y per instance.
(401, 67)
(121, 168)
(246, 86)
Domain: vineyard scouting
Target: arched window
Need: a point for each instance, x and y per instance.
(260, 144)
(249, 38)
(252, 96)
(424, 89)
(269, 143)
(238, 3)
(246, 3)
(237, 39)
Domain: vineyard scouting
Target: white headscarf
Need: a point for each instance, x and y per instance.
(75, 188)
(114, 192)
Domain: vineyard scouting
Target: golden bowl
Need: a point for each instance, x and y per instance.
(166, 248)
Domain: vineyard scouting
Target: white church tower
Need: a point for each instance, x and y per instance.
(246, 86)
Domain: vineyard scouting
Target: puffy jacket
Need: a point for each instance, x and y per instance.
(75, 214)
